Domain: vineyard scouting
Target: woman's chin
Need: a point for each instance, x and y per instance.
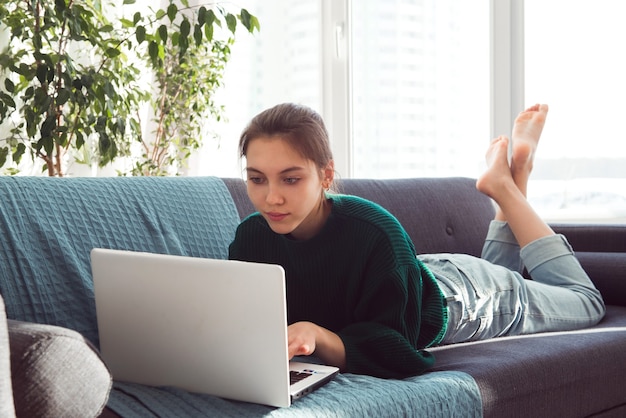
(281, 228)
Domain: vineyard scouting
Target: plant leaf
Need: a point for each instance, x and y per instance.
(8, 100)
(42, 73)
(202, 15)
(211, 18)
(153, 50)
(163, 33)
(19, 151)
(4, 153)
(172, 10)
(47, 143)
(185, 28)
(140, 34)
(48, 126)
(126, 23)
(245, 18)
(59, 6)
(254, 24)
(112, 52)
(231, 22)
(62, 97)
(197, 34)
(208, 32)
(8, 84)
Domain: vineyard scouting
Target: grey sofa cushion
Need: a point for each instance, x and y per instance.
(556, 374)
(56, 372)
(6, 392)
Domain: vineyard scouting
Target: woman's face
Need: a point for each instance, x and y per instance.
(286, 188)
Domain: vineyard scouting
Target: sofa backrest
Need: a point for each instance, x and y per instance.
(450, 215)
(48, 227)
(439, 214)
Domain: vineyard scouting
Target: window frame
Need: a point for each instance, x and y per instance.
(336, 84)
(506, 63)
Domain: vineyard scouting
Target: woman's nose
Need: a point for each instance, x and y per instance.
(274, 196)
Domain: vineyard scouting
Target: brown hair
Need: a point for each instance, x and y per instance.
(300, 126)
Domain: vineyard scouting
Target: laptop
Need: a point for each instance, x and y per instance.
(210, 326)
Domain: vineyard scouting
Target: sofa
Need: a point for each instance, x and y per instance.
(50, 363)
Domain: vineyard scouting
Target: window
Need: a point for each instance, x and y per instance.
(407, 108)
(574, 62)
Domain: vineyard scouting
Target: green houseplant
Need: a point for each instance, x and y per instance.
(70, 75)
(54, 96)
(187, 56)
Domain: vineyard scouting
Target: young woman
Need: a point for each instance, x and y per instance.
(358, 295)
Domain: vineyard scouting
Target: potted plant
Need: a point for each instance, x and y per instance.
(70, 74)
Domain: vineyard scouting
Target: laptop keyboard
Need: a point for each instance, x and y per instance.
(295, 377)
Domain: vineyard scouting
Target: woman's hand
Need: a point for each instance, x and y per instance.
(306, 338)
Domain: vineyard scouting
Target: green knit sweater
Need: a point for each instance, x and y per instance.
(358, 277)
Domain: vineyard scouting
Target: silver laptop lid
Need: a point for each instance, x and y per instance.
(209, 326)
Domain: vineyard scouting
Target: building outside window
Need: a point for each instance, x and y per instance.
(420, 87)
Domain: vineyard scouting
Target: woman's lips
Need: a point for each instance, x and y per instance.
(276, 217)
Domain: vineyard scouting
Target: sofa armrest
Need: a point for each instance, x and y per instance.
(56, 372)
(6, 392)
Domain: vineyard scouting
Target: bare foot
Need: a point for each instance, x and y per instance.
(498, 174)
(525, 138)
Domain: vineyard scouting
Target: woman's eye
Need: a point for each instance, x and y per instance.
(291, 180)
(255, 180)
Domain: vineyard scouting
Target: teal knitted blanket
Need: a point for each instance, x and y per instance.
(432, 395)
(49, 226)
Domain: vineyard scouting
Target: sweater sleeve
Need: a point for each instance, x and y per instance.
(377, 350)
(390, 323)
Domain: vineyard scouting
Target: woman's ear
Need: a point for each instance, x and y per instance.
(328, 174)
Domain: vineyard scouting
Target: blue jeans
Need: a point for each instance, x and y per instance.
(488, 297)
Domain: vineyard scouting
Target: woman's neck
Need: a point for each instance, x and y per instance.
(314, 223)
